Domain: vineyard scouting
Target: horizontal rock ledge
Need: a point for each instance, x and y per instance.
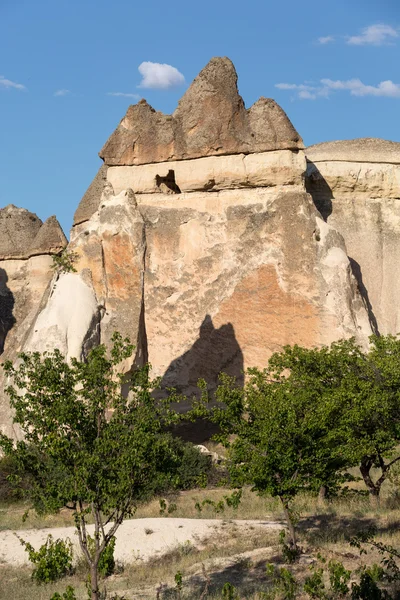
(211, 174)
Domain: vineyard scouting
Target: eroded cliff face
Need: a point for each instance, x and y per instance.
(26, 273)
(356, 186)
(198, 240)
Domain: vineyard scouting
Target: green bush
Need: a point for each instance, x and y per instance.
(193, 467)
(69, 594)
(52, 561)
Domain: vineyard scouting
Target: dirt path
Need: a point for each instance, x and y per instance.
(137, 539)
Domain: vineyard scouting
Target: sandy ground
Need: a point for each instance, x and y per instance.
(133, 543)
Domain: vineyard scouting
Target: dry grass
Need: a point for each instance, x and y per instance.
(324, 527)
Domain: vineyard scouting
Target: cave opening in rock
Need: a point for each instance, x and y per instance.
(167, 184)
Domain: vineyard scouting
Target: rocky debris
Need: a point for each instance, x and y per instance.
(355, 185)
(91, 199)
(369, 150)
(210, 120)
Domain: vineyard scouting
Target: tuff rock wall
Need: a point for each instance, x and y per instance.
(199, 240)
(355, 185)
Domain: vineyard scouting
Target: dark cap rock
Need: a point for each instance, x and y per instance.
(210, 120)
(50, 238)
(22, 234)
(18, 229)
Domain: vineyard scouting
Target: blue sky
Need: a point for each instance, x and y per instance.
(65, 66)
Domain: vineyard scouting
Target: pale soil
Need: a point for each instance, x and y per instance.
(136, 539)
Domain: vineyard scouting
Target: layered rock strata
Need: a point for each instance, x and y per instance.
(356, 186)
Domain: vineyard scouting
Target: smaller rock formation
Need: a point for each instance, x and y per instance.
(26, 249)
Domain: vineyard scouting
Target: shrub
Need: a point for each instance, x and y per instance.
(69, 594)
(52, 561)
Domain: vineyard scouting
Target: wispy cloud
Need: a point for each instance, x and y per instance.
(328, 39)
(123, 95)
(375, 35)
(8, 84)
(356, 87)
(60, 93)
(159, 76)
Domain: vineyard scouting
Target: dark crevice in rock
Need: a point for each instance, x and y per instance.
(167, 184)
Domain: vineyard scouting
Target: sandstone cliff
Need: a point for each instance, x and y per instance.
(356, 186)
(198, 240)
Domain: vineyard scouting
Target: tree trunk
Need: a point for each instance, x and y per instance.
(94, 581)
(373, 489)
(291, 527)
(323, 492)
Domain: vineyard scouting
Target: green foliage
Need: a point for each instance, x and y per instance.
(86, 446)
(339, 577)
(290, 553)
(64, 261)
(284, 583)
(69, 594)
(52, 561)
(106, 562)
(314, 584)
(229, 592)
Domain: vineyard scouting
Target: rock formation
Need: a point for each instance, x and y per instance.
(26, 246)
(199, 241)
(356, 186)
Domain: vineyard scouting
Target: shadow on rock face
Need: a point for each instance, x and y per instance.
(7, 319)
(215, 351)
(320, 191)
(356, 268)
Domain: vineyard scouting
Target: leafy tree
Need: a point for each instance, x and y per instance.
(369, 407)
(88, 447)
(278, 435)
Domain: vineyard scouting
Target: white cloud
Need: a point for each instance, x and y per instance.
(59, 93)
(123, 95)
(326, 39)
(376, 35)
(8, 84)
(159, 76)
(356, 87)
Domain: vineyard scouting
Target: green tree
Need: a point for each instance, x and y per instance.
(88, 447)
(368, 403)
(278, 431)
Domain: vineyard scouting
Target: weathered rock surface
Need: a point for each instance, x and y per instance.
(22, 234)
(26, 272)
(356, 186)
(365, 150)
(213, 173)
(91, 199)
(210, 120)
(199, 241)
(224, 290)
